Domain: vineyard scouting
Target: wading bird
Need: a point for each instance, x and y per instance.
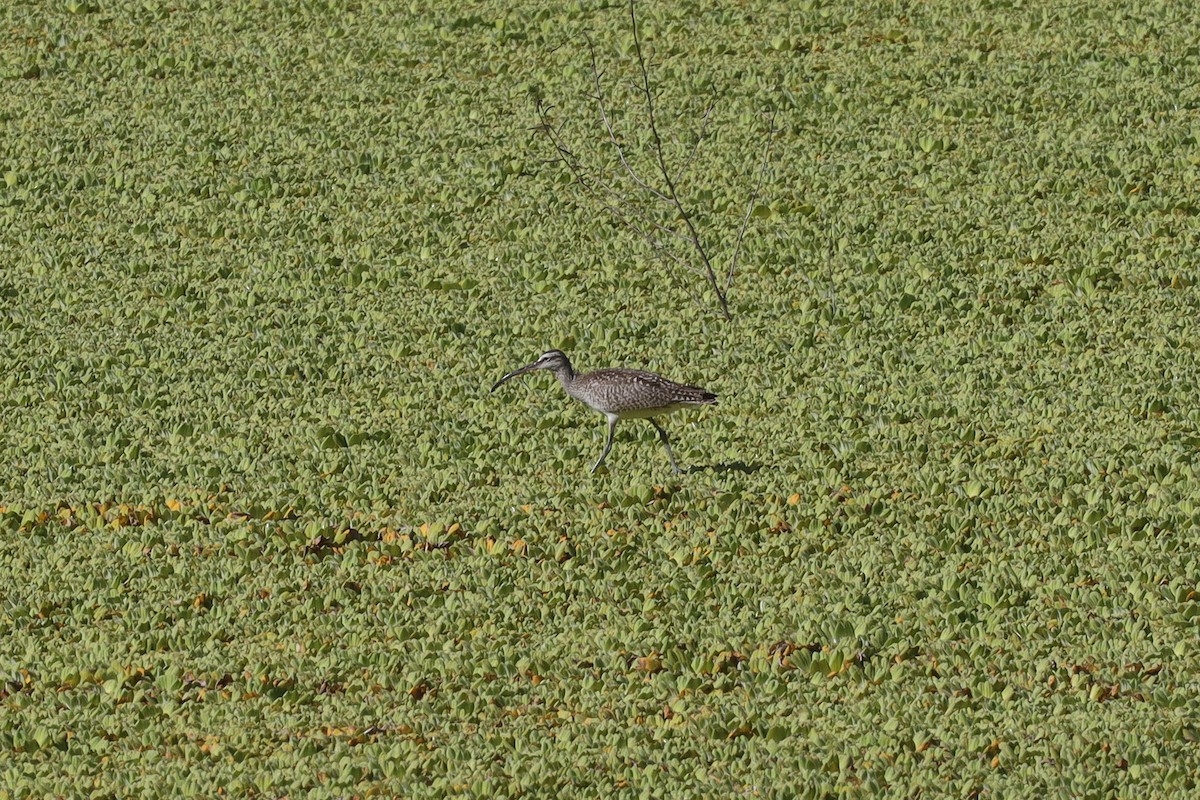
(620, 394)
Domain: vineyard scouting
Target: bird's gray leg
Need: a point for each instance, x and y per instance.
(666, 443)
(612, 429)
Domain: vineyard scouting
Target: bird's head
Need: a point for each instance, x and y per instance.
(553, 360)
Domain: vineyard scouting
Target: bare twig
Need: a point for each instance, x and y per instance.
(648, 94)
(652, 210)
(701, 136)
(762, 174)
(612, 134)
(568, 158)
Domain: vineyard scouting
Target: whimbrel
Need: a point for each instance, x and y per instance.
(620, 394)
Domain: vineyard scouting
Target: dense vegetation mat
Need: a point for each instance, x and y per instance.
(265, 533)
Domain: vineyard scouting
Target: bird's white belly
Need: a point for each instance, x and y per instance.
(644, 413)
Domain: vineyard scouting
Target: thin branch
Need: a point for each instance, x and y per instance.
(632, 209)
(709, 273)
(762, 174)
(564, 155)
(700, 137)
(687, 289)
(590, 185)
(661, 252)
(636, 207)
(612, 134)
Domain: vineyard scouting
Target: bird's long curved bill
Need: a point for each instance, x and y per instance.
(511, 375)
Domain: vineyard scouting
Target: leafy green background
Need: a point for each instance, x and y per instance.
(266, 532)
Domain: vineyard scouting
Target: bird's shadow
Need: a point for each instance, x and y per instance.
(728, 466)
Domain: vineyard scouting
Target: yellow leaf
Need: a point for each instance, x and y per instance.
(651, 663)
(794, 499)
(739, 731)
